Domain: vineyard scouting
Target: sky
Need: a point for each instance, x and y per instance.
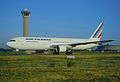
(60, 18)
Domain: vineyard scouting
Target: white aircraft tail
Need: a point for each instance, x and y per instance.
(98, 32)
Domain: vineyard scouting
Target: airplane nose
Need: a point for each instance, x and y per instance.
(8, 44)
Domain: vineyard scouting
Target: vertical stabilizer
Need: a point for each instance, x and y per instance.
(98, 32)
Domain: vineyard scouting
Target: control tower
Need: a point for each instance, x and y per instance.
(25, 14)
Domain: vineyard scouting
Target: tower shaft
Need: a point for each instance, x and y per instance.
(25, 26)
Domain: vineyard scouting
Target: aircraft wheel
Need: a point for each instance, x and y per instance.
(16, 53)
(55, 52)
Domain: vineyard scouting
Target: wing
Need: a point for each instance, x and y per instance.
(82, 43)
(93, 42)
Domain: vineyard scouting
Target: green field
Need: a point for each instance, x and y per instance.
(86, 67)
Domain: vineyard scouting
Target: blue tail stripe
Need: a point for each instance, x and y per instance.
(97, 32)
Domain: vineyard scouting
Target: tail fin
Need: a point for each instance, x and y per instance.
(98, 32)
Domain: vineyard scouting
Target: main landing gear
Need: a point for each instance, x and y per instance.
(56, 51)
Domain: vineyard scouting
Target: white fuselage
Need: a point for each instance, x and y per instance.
(43, 43)
(57, 44)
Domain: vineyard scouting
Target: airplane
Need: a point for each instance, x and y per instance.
(56, 45)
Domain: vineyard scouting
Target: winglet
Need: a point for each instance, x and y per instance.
(98, 32)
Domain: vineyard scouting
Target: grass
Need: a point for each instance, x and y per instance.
(87, 66)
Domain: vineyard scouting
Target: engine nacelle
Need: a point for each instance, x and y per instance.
(62, 48)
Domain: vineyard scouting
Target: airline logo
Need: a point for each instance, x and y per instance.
(98, 32)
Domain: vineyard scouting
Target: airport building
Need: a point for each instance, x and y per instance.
(109, 48)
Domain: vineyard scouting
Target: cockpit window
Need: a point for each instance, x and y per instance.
(12, 40)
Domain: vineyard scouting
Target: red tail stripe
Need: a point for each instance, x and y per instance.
(99, 36)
